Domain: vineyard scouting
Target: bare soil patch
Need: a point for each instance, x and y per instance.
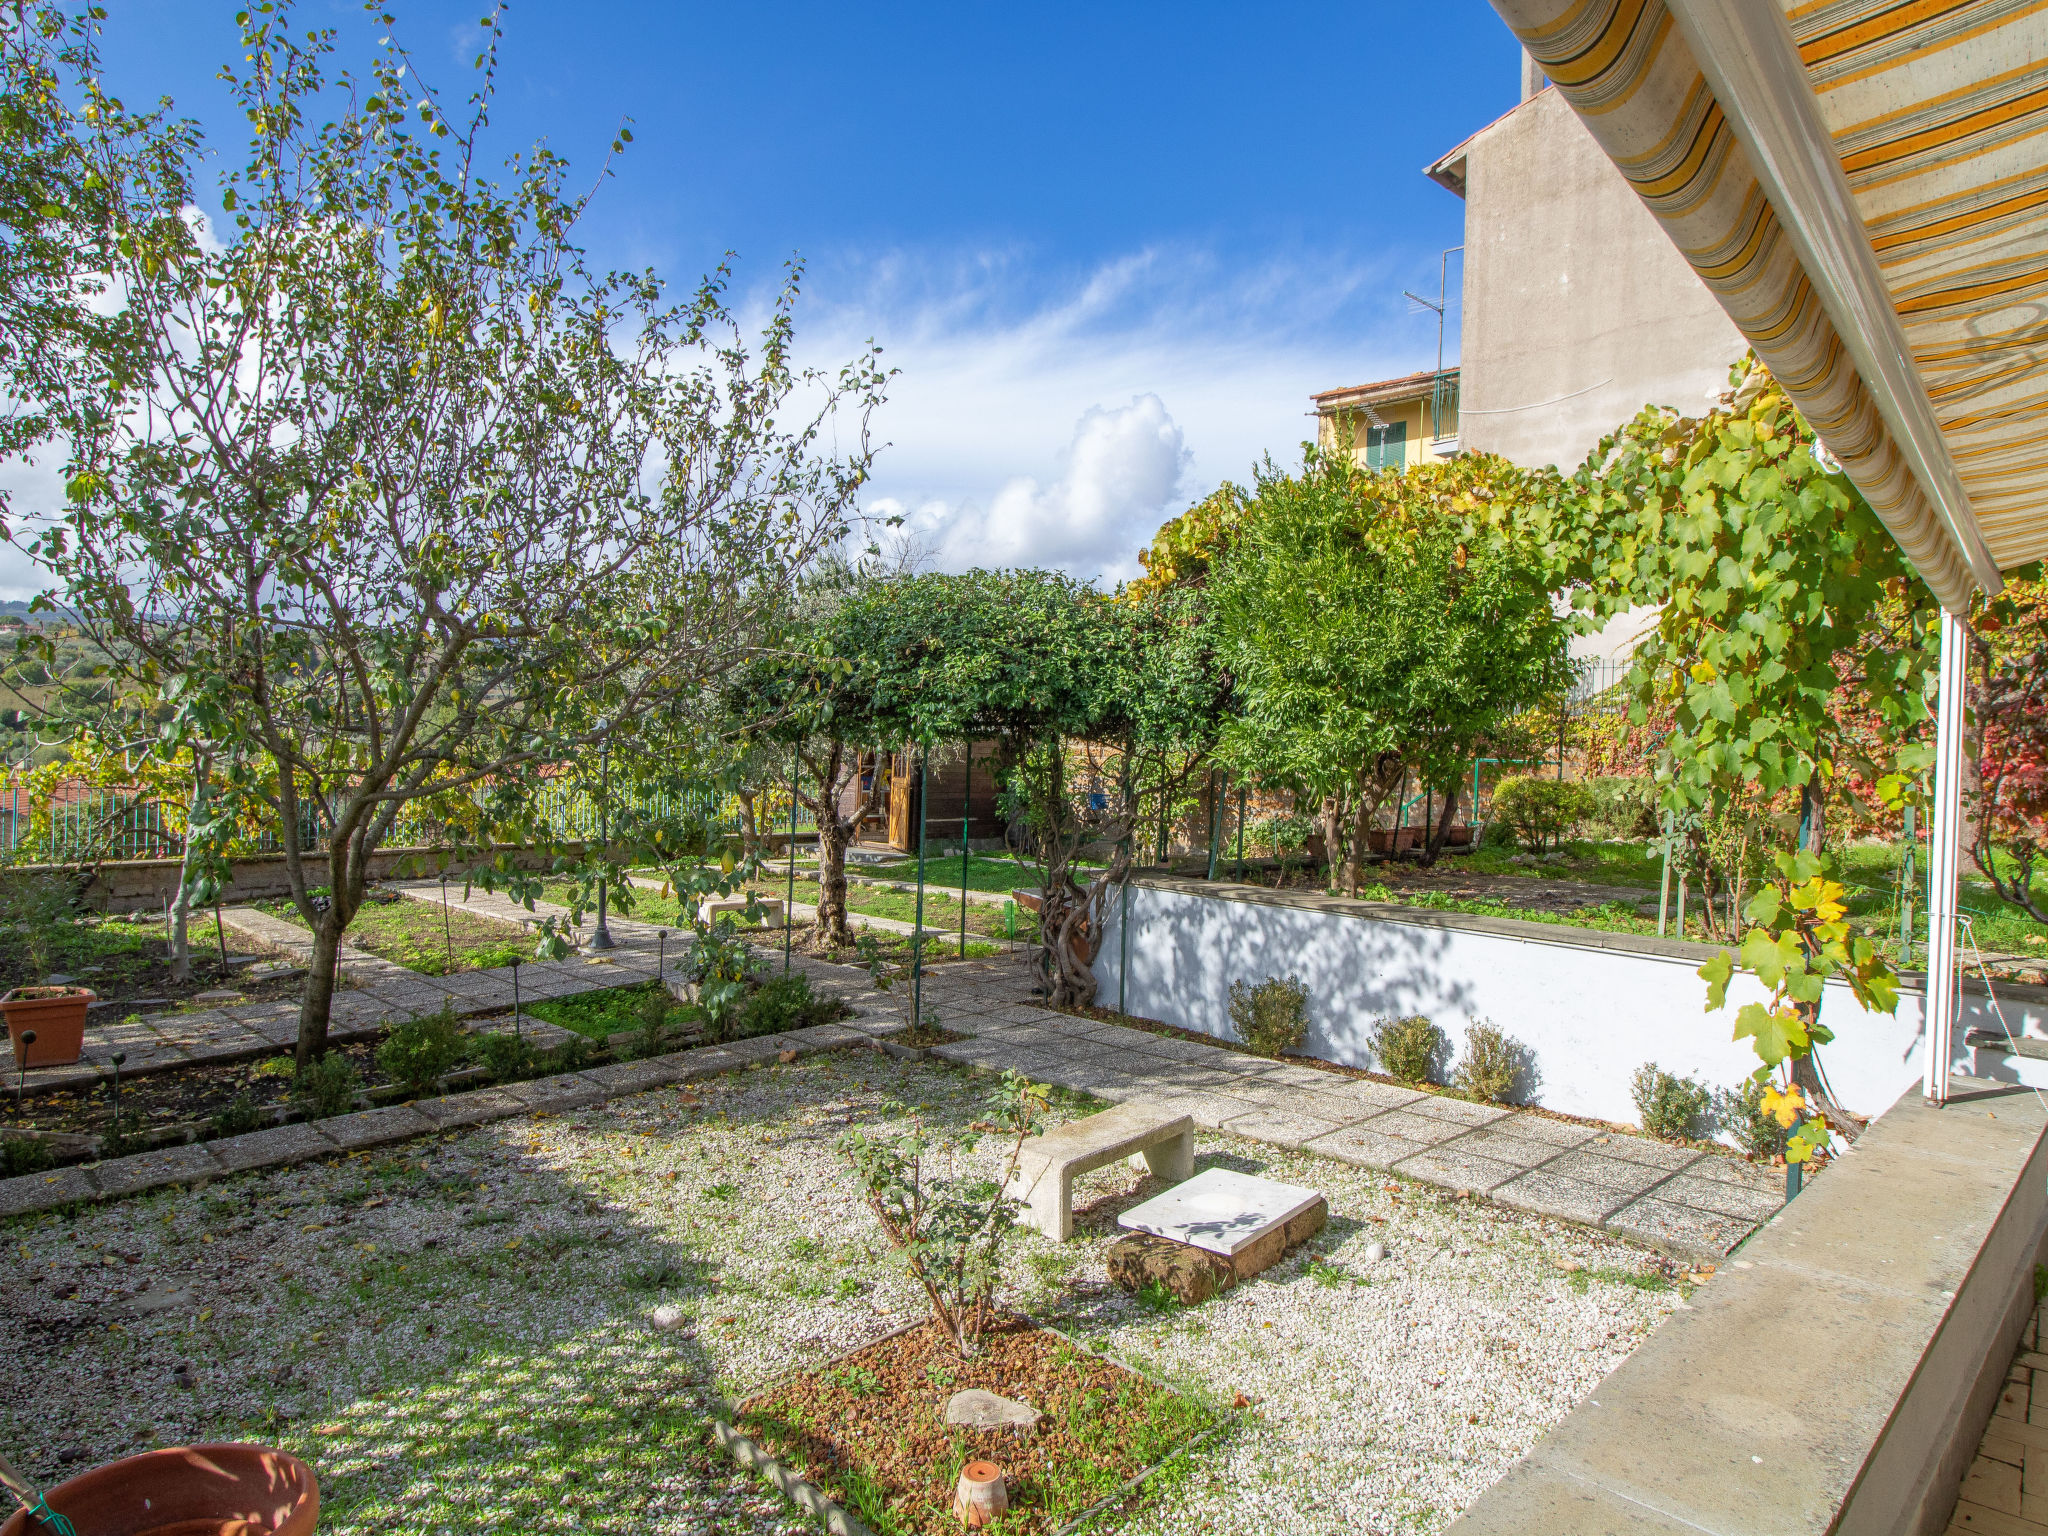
(870, 1428)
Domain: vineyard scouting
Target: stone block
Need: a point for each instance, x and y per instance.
(41, 1191)
(1223, 1211)
(572, 1090)
(375, 1127)
(273, 1148)
(154, 1170)
(472, 1108)
(1191, 1274)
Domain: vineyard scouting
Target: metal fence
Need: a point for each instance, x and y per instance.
(77, 824)
(1599, 688)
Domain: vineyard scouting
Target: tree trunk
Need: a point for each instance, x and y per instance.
(1364, 811)
(347, 859)
(1331, 814)
(750, 830)
(839, 767)
(832, 840)
(318, 998)
(181, 904)
(1442, 830)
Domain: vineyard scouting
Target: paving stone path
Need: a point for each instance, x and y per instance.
(1694, 1204)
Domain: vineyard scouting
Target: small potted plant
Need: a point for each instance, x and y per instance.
(33, 906)
(55, 1016)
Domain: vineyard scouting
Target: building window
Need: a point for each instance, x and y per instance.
(1386, 447)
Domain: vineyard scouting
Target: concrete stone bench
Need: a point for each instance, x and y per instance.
(1150, 1135)
(714, 907)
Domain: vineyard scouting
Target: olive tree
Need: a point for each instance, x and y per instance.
(1069, 684)
(380, 484)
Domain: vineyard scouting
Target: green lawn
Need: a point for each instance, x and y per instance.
(1869, 870)
(600, 1015)
(941, 912)
(423, 936)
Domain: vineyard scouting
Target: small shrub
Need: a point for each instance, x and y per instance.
(1272, 1017)
(572, 1055)
(784, 1002)
(1498, 834)
(651, 1039)
(1492, 1064)
(35, 906)
(239, 1118)
(1409, 1048)
(1541, 812)
(417, 1053)
(1670, 1106)
(506, 1056)
(1625, 808)
(950, 1228)
(24, 1154)
(1740, 1112)
(328, 1087)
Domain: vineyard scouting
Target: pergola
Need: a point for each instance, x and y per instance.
(1863, 184)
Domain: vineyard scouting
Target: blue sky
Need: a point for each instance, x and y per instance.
(1112, 248)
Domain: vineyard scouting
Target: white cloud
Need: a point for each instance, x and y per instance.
(1120, 472)
(1050, 423)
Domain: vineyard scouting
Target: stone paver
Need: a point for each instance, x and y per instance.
(1679, 1199)
(1690, 1203)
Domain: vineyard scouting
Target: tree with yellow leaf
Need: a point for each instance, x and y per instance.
(1799, 938)
(381, 488)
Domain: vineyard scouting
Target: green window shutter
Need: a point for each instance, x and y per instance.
(1386, 447)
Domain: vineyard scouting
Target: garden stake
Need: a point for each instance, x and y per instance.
(117, 1058)
(1664, 887)
(601, 935)
(966, 823)
(32, 1500)
(1906, 893)
(661, 957)
(917, 936)
(1240, 833)
(1681, 903)
(789, 857)
(28, 1038)
(220, 932)
(447, 932)
(1215, 820)
(516, 1033)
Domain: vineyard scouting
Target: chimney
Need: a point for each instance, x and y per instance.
(1532, 76)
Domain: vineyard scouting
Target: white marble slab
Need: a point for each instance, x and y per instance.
(1220, 1210)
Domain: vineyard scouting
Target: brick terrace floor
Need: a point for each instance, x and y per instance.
(2005, 1492)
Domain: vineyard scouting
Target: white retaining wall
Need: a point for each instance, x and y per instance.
(1590, 1007)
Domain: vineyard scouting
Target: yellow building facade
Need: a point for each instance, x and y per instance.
(1393, 423)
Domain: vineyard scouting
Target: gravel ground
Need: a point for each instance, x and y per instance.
(455, 1332)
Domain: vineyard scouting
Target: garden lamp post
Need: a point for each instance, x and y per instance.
(601, 936)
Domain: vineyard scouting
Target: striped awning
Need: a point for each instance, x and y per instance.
(1863, 184)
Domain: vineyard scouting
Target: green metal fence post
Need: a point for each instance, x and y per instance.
(1215, 819)
(917, 937)
(966, 826)
(1240, 829)
(796, 768)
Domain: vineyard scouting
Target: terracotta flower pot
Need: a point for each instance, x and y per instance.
(979, 1498)
(56, 1014)
(187, 1490)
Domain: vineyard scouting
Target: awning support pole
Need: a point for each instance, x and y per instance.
(1942, 856)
